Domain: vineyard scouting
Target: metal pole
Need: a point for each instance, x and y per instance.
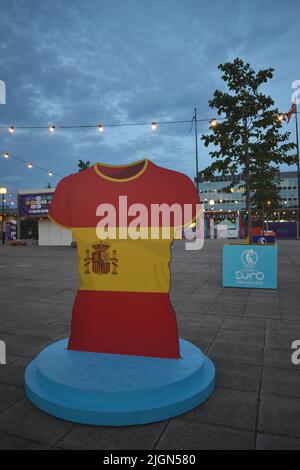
(298, 171)
(196, 146)
(247, 181)
(3, 235)
(18, 219)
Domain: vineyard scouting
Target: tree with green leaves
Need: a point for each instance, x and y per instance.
(83, 165)
(266, 198)
(249, 139)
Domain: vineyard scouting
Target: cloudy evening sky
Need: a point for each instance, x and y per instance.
(89, 61)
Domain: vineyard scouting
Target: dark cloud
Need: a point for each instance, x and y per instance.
(87, 62)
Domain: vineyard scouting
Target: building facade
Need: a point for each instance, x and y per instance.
(215, 199)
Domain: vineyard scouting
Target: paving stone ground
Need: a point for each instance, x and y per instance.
(247, 333)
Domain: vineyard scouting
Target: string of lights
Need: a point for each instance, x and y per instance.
(213, 122)
(100, 127)
(6, 155)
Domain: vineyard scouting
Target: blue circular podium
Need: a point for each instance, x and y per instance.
(117, 390)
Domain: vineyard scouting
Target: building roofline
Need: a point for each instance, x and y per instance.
(36, 191)
(237, 178)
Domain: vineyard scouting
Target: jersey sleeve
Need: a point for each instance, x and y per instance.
(189, 200)
(60, 209)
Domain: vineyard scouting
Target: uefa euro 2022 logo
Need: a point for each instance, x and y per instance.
(249, 259)
(2, 92)
(250, 274)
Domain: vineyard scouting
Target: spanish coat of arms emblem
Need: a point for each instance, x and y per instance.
(100, 260)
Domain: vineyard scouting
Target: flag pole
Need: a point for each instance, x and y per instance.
(196, 151)
(298, 169)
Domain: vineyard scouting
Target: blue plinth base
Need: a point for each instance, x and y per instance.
(116, 390)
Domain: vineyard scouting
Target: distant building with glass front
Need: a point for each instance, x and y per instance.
(215, 199)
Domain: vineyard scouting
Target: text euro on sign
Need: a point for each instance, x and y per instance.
(2, 92)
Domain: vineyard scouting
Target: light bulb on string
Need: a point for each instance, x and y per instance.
(51, 129)
(6, 155)
(154, 125)
(50, 173)
(29, 165)
(213, 123)
(101, 128)
(11, 130)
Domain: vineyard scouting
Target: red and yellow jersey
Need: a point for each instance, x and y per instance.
(124, 250)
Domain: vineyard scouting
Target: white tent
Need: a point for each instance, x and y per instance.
(226, 229)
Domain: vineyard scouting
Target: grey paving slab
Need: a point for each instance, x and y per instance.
(237, 353)
(9, 395)
(241, 337)
(279, 381)
(290, 311)
(13, 374)
(196, 308)
(66, 296)
(269, 442)
(238, 376)
(242, 324)
(263, 312)
(32, 314)
(205, 333)
(248, 333)
(53, 330)
(279, 415)
(230, 309)
(8, 442)
(24, 344)
(195, 338)
(283, 327)
(201, 321)
(26, 421)
(281, 340)
(230, 408)
(263, 298)
(9, 358)
(183, 435)
(97, 438)
(281, 358)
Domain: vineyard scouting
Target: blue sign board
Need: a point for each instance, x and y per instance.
(284, 229)
(34, 205)
(263, 239)
(250, 266)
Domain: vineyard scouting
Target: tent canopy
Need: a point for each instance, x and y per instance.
(226, 222)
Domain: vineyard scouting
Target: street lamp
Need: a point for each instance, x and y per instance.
(3, 191)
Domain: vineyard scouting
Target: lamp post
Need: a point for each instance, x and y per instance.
(3, 191)
(196, 149)
(298, 171)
